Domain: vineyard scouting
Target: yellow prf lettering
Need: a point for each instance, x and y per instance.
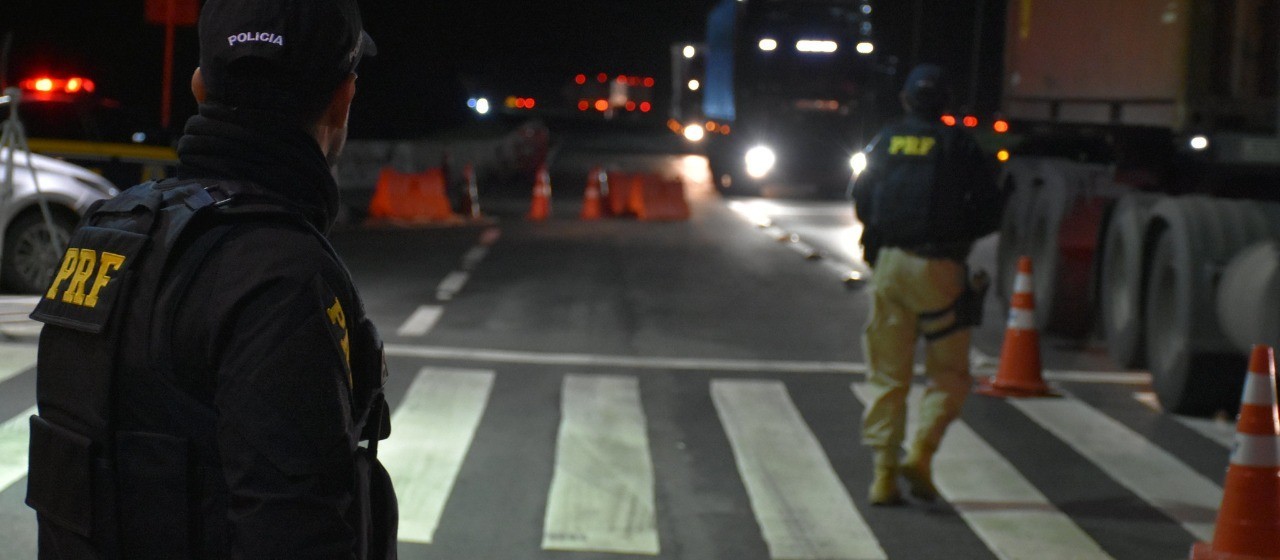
(84, 269)
(337, 317)
(911, 145)
(68, 267)
(110, 262)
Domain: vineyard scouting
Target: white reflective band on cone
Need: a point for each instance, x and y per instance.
(1257, 390)
(1021, 319)
(1256, 451)
(1022, 284)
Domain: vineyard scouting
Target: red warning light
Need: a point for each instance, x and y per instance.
(948, 120)
(583, 105)
(528, 103)
(971, 121)
(602, 77)
(45, 84)
(1001, 126)
(648, 82)
(602, 105)
(631, 105)
(580, 79)
(645, 106)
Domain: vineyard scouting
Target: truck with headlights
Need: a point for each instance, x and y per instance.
(1146, 182)
(791, 90)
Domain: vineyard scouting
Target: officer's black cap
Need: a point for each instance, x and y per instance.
(926, 87)
(308, 45)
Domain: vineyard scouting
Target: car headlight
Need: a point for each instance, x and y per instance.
(760, 160)
(859, 163)
(694, 132)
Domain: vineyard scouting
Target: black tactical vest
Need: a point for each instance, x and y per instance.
(106, 481)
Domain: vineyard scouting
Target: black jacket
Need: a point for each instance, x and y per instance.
(928, 188)
(259, 360)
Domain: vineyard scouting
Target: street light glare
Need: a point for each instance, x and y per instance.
(866, 47)
(768, 45)
(689, 51)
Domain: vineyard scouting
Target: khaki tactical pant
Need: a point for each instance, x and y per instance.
(903, 287)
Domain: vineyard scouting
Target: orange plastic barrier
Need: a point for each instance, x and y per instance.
(417, 197)
(659, 198)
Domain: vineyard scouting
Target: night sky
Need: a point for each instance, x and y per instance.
(433, 54)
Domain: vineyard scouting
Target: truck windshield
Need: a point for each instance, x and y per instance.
(806, 51)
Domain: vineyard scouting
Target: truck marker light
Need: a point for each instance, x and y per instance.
(971, 121)
(816, 46)
(1000, 126)
(768, 45)
(948, 120)
(1002, 155)
(866, 47)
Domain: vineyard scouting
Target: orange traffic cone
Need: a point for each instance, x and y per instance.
(473, 192)
(1248, 525)
(540, 208)
(591, 196)
(1020, 373)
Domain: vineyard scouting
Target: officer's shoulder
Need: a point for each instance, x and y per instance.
(278, 249)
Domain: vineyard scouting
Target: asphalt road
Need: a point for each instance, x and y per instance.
(620, 389)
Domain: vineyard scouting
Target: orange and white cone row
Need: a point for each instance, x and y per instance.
(1020, 373)
(1248, 526)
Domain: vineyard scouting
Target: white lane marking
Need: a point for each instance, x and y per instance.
(490, 236)
(698, 364)
(802, 507)
(15, 359)
(1145, 469)
(805, 249)
(1218, 429)
(473, 257)
(602, 496)
(422, 321)
(1002, 507)
(432, 431)
(15, 436)
(451, 285)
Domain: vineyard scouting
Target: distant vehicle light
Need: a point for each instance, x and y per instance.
(46, 84)
(471, 103)
(529, 102)
(694, 133)
(139, 137)
(866, 9)
(1199, 143)
(645, 106)
(711, 126)
(948, 120)
(859, 163)
(866, 47)
(482, 106)
(1002, 155)
(580, 79)
(622, 78)
(633, 81)
(760, 161)
(971, 121)
(816, 46)
(648, 82)
(583, 105)
(768, 45)
(689, 51)
(602, 105)
(631, 105)
(694, 85)
(602, 77)
(1001, 126)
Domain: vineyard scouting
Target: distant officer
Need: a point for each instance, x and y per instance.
(208, 383)
(927, 193)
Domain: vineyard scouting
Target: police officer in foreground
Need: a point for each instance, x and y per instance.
(926, 195)
(208, 383)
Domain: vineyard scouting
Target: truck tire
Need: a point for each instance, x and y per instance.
(1247, 321)
(29, 262)
(1120, 285)
(1051, 204)
(1195, 368)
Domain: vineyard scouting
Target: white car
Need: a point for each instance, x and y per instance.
(30, 250)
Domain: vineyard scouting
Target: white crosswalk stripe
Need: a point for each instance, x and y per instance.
(605, 493)
(1145, 469)
(602, 491)
(431, 433)
(1006, 511)
(803, 509)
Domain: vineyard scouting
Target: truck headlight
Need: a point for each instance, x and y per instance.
(694, 132)
(859, 163)
(760, 160)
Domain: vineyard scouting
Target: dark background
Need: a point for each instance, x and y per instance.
(433, 55)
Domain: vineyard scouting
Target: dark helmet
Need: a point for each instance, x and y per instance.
(926, 89)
